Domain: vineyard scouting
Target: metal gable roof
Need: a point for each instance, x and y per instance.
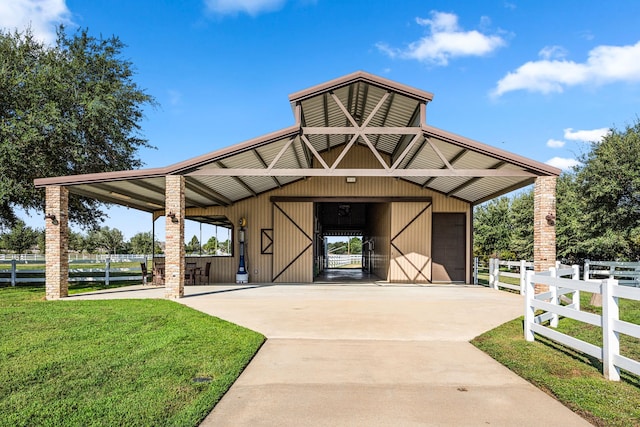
(359, 108)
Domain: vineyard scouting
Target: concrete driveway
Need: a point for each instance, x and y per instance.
(369, 355)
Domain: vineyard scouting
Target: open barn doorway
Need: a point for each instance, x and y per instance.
(343, 245)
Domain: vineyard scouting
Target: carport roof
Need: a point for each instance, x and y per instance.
(358, 109)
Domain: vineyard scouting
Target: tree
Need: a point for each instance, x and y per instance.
(72, 108)
(109, 239)
(20, 238)
(226, 247)
(355, 245)
(609, 182)
(493, 228)
(571, 220)
(193, 245)
(521, 223)
(211, 247)
(142, 243)
(337, 248)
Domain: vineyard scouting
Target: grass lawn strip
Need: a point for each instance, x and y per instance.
(572, 377)
(119, 362)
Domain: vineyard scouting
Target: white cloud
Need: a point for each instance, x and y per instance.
(552, 52)
(594, 135)
(43, 16)
(554, 143)
(605, 64)
(562, 163)
(445, 40)
(250, 7)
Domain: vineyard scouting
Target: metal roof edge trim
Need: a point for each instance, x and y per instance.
(361, 76)
(91, 178)
(491, 151)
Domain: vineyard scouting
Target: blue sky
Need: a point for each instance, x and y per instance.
(537, 78)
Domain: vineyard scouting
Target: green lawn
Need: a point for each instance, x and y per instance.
(572, 377)
(118, 362)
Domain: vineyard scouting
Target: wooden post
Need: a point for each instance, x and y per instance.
(14, 267)
(610, 338)
(523, 275)
(554, 298)
(529, 311)
(575, 300)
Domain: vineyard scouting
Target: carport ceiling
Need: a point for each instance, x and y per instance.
(358, 109)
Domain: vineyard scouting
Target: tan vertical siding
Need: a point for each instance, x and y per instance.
(292, 242)
(411, 242)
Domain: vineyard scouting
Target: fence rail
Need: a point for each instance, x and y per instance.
(76, 257)
(107, 274)
(514, 269)
(335, 261)
(550, 303)
(627, 273)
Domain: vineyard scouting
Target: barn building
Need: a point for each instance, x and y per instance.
(360, 160)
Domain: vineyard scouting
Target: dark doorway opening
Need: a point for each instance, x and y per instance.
(342, 249)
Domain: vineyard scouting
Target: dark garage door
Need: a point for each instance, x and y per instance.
(448, 250)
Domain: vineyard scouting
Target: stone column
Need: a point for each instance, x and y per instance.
(57, 243)
(544, 226)
(174, 246)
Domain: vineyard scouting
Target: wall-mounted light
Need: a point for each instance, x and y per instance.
(351, 179)
(52, 217)
(551, 218)
(173, 217)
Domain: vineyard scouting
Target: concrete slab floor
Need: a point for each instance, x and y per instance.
(369, 354)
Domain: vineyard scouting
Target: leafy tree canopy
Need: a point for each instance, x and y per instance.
(598, 208)
(142, 243)
(609, 181)
(71, 108)
(20, 238)
(109, 239)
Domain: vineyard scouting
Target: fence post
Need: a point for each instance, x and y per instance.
(491, 278)
(529, 311)
(554, 297)
(610, 338)
(586, 270)
(523, 275)
(13, 272)
(106, 271)
(475, 270)
(575, 298)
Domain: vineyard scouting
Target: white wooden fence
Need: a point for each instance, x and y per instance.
(76, 257)
(627, 273)
(335, 261)
(550, 303)
(105, 274)
(494, 273)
